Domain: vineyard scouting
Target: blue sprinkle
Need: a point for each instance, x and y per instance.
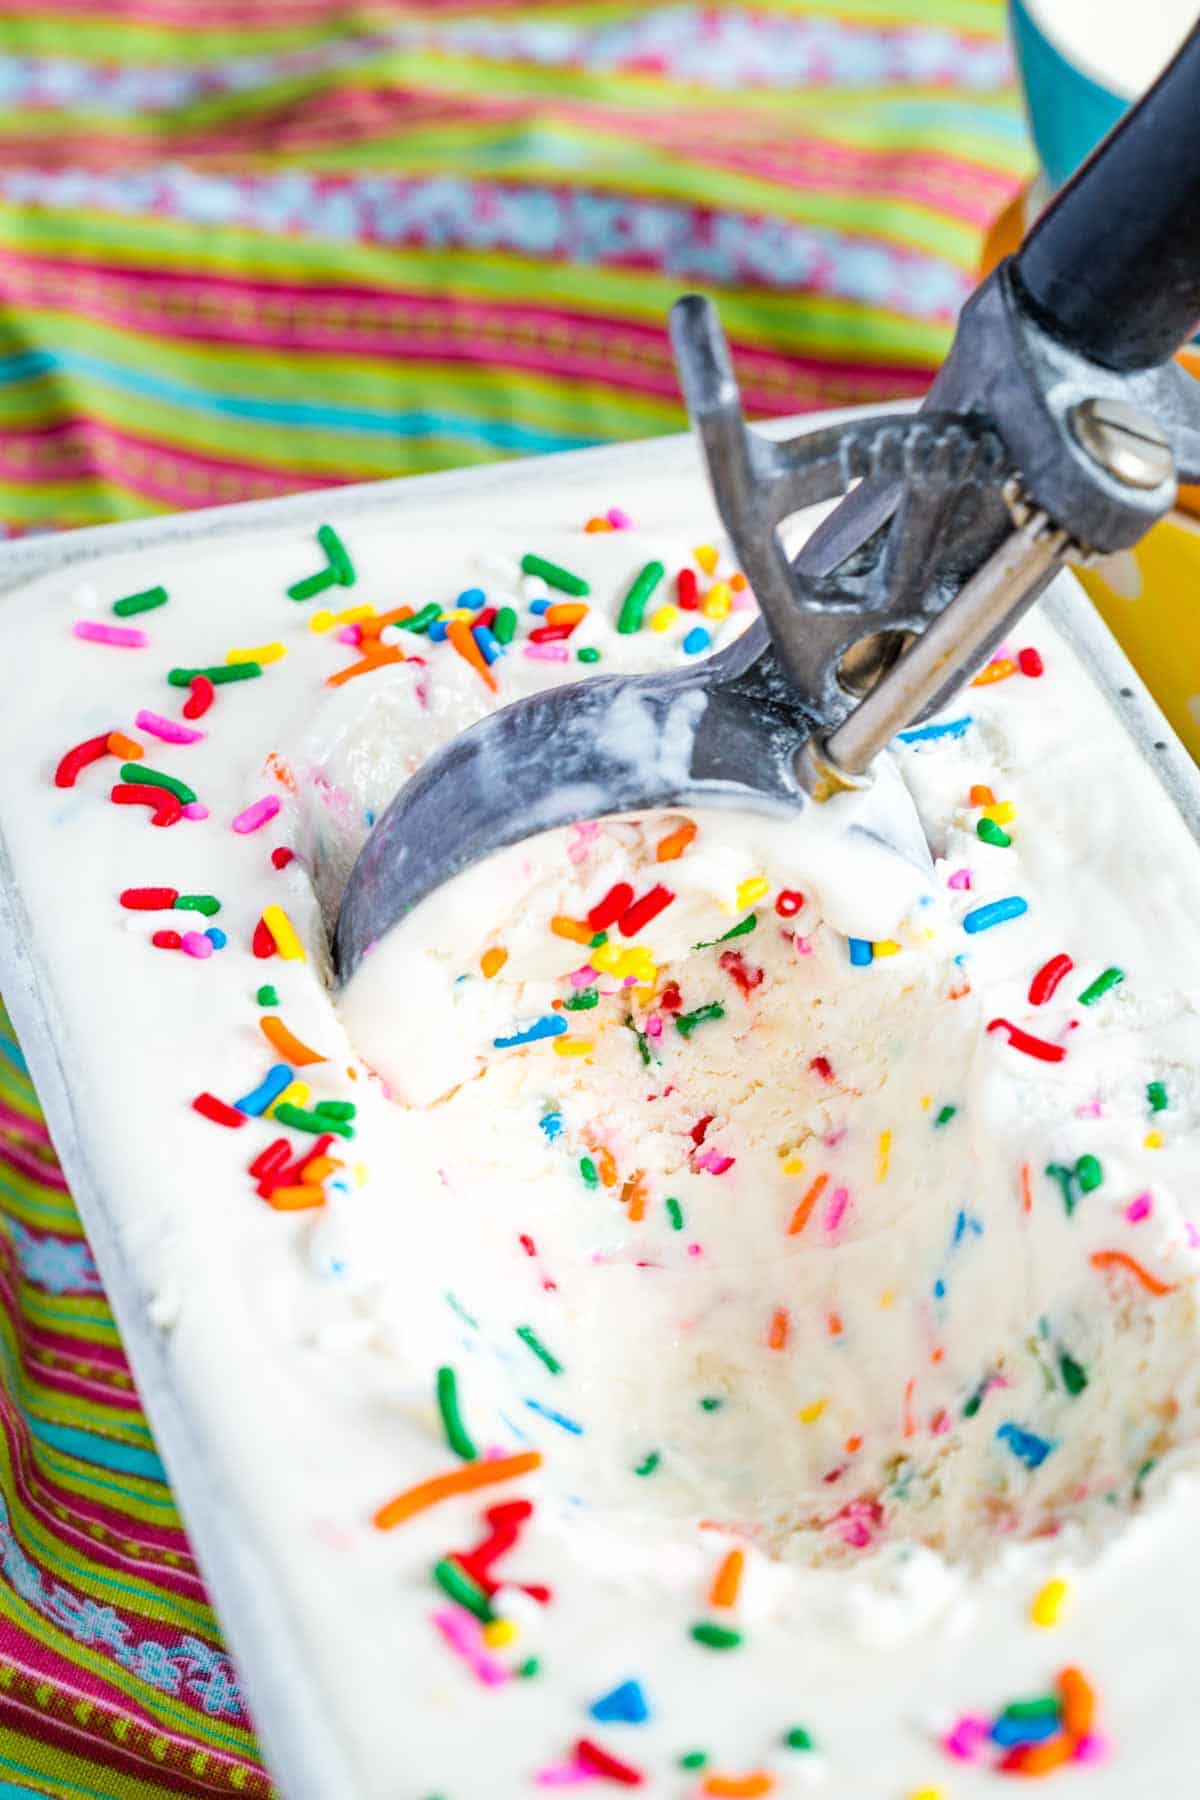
(995, 913)
(547, 1026)
(696, 640)
(862, 952)
(471, 597)
(555, 1418)
(269, 1089)
(490, 646)
(939, 1289)
(552, 1124)
(923, 734)
(369, 816)
(625, 1705)
(1032, 1449)
(437, 631)
(216, 937)
(539, 606)
(1009, 1732)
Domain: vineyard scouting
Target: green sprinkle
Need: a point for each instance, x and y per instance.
(339, 556)
(587, 1169)
(454, 1581)
(218, 674)
(504, 625)
(146, 601)
(155, 778)
(945, 1116)
(589, 654)
(711, 1402)
(1046, 1706)
(207, 904)
(716, 1637)
(686, 1023)
(1156, 1094)
(648, 1464)
(634, 604)
(743, 928)
(530, 1667)
(456, 1306)
(267, 995)
(601, 937)
(798, 1739)
(528, 1336)
(1074, 1374)
(312, 584)
(694, 1759)
(553, 575)
(336, 1109)
(1141, 1475)
(583, 1001)
(316, 1122)
(1111, 978)
(643, 1042)
(421, 621)
(675, 1214)
(1089, 1174)
(973, 1405)
(1066, 1181)
(991, 833)
(457, 1435)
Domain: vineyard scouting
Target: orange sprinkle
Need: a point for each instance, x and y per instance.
(493, 960)
(738, 583)
(566, 612)
(282, 771)
(607, 1166)
(1000, 670)
(853, 1444)
(938, 1355)
(728, 1579)
(125, 747)
(672, 847)
(296, 1199)
(289, 1047)
(374, 658)
(1026, 1189)
(833, 1324)
(634, 1195)
(371, 628)
(598, 524)
(1078, 1702)
(1112, 1259)
(959, 993)
(318, 1167)
(982, 796)
(462, 1480)
(910, 1427)
(1040, 1759)
(739, 1787)
(458, 631)
(800, 1217)
(575, 929)
(780, 1322)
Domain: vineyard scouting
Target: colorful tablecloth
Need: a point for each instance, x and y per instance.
(249, 246)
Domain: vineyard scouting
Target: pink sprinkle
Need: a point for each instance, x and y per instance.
(961, 878)
(654, 1025)
(1093, 1110)
(195, 809)
(463, 1635)
(743, 600)
(196, 944)
(126, 637)
(169, 730)
(349, 634)
(713, 1162)
(577, 849)
(838, 1207)
(1193, 1236)
(967, 1739)
(546, 652)
(695, 1250)
(564, 1775)
(583, 977)
(803, 945)
(619, 519)
(1091, 1748)
(1139, 1209)
(257, 814)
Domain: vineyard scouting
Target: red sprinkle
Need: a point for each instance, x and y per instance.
(1048, 978)
(485, 616)
(700, 1128)
(687, 590)
(201, 694)
(642, 911)
(90, 751)
(736, 966)
(166, 940)
(149, 899)
(527, 1244)
(601, 1763)
(163, 803)
(821, 1065)
(606, 912)
(276, 1153)
(551, 634)
(788, 902)
(1030, 663)
(670, 1000)
(1029, 1046)
(211, 1108)
(262, 943)
(281, 857)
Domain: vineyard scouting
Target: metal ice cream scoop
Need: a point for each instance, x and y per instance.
(1058, 427)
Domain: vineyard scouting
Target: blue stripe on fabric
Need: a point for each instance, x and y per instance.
(23, 1793)
(12, 1052)
(104, 1453)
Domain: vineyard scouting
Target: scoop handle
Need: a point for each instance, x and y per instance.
(1112, 267)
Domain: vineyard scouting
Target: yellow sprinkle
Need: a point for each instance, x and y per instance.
(499, 1632)
(263, 653)
(926, 1102)
(567, 1046)
(461, 612)
(718, 602)
(637, 961)
(284, 933)
(360, 1173)
(354, 615)
(321, 621)
(297, 1093)
(1003, 813)
(887, 1298)
(794, 1166)
(885, 1155)
(493, 960)
(886, 947)
(926, 1793)
(663, 618)
(1153, 1140)
(604, 957)
(1048, 1603)
(808, 1415)
(750, 890)
(707, 557)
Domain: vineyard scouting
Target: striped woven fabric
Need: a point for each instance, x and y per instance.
(248, 246)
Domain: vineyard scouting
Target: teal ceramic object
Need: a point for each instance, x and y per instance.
(1069, 112)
